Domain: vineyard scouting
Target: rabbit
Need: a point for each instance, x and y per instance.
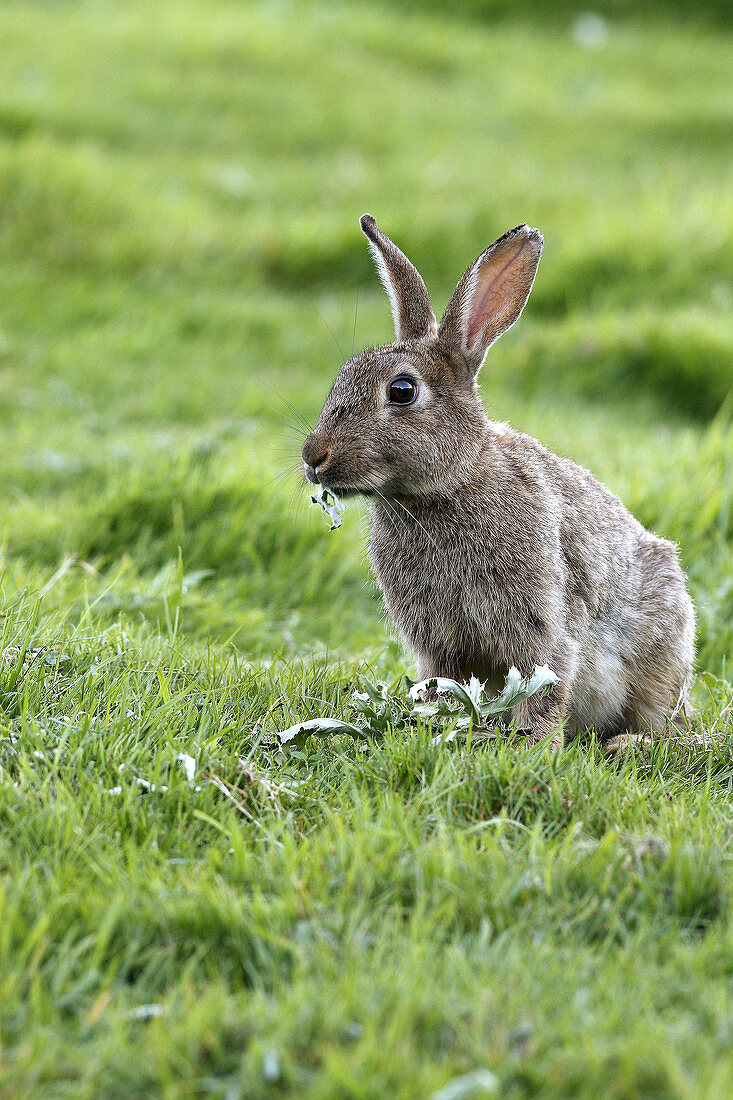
(490, 550)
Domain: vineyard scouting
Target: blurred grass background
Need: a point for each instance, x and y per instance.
(180, 185)
(180, 262)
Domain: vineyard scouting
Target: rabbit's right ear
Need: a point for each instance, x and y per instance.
(412, 312)
(491, 296)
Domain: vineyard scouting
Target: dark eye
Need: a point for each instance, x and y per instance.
(402, 391)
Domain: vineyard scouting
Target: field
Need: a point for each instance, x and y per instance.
(184, 909)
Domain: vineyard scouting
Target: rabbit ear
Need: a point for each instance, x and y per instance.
(412, 312)
(491, 295)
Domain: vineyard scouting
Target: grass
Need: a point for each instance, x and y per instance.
(180, 186)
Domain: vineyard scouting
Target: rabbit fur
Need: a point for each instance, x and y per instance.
(490, 550)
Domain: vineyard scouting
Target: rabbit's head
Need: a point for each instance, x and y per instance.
(406, 419)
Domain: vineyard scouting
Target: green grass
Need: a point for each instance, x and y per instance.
(179, 191)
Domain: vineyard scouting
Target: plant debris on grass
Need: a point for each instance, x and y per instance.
(464, 706)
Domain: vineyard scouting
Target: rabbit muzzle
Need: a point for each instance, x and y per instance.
(316, 454)
(340, 466)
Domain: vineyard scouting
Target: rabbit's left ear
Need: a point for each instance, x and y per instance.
(411, 309)
(491, 296)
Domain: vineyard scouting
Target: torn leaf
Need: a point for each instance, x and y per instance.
(516, 690)
(468, 696)
(480, 1082)
(331, 504)
(319, 727)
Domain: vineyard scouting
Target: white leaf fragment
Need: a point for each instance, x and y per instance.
(590, 30)
(188, 765)
(148, 1012)
(146, 785)
(331, 504)
(481, 1082)
(271, 1067)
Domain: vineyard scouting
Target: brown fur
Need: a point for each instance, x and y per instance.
(491, 551)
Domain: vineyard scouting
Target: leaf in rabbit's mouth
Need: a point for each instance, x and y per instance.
(331, 504)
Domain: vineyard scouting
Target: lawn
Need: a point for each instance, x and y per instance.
(185, 909)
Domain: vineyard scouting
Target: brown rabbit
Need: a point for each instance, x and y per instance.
(491, 551)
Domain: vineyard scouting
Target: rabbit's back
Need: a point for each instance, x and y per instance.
(627, 606)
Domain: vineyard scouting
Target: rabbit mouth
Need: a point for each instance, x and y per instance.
(348, 490)
(344, 488)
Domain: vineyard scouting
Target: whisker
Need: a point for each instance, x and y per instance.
(287, 444)
(290, 471)
(300, 432)
(356, 314)
(333, 335)
(287, 449)
(296, 412)
(295, 492)
(417, 521)
(322, 359)
(299, 416)
(390, 512)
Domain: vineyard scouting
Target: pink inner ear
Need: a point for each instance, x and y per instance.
(494, 296)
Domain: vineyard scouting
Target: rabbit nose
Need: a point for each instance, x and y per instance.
(315, 454)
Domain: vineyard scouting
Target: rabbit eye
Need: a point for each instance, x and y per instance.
(402, 391)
